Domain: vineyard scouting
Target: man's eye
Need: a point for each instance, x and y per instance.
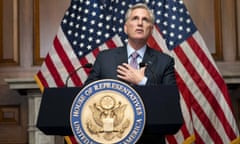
(146, 20)
(134, 18)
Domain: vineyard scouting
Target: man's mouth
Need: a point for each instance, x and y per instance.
(139, 30)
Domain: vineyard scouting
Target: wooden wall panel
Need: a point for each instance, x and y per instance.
(229, 30)
(13, 117)
(9, 48)
(238, 27)
(1, 33)
(9, 115)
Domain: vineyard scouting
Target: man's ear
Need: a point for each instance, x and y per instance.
(152, 29)
(125, 28)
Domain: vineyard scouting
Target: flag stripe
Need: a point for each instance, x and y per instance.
(186, 91)
(157, 41)
(186, 62)
(47, 76)
(171, 139)
(69, 61)
(212, 71)
(95, 51)
(199, 140)
(187, 127)
(70, 140)
(186, 102)
(110, 44)
(202, 90)
(52, 69)
(65, 60)
(42, 79)
(201, 132)
(216, 80)
(58, 64)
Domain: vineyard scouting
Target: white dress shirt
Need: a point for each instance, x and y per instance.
(141, 53)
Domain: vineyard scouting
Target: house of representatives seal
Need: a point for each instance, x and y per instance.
(107, 111)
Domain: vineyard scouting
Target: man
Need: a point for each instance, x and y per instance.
(158, 68)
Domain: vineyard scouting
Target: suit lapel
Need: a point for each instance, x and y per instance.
(121, 56)
(149, 57)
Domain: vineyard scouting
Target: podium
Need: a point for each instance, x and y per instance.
(162, 106)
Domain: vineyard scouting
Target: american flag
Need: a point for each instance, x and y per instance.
(90, 26)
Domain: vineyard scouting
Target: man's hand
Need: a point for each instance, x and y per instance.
(129, 74)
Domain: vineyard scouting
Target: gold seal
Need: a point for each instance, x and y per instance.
(108, 117)
(107, 111)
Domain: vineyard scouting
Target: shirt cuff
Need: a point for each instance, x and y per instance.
(143, 82)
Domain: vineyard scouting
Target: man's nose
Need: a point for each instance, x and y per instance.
(140, 22)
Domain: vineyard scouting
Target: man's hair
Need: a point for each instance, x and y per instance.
(140, 5)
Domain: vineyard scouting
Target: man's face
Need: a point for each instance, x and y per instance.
(138, 26)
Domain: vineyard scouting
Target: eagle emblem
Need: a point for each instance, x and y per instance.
(107, 111)
(107, 118)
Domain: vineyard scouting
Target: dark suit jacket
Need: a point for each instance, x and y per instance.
(160, 67)
(160, 70)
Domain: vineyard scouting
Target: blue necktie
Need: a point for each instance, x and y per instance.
(133, 61)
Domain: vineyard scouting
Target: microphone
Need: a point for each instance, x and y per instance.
(87, 65)
(143, 64)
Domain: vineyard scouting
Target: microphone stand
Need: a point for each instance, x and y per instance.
(88, 65)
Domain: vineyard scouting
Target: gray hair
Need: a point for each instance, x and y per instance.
(140, 5)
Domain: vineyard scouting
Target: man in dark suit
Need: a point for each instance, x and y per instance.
(158, 68)
(113, 64)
